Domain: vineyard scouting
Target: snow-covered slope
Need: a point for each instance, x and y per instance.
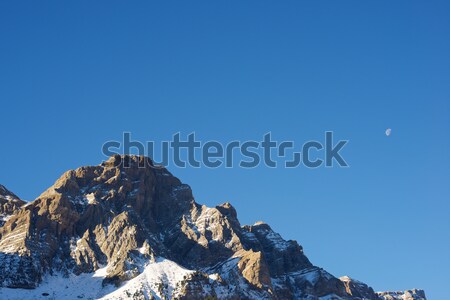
(158, 280)
(58, 286)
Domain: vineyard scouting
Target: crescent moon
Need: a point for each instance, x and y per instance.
(388, 132)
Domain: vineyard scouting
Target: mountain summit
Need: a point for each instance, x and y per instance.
(110, 232)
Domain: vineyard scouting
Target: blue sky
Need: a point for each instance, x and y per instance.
(76, 74)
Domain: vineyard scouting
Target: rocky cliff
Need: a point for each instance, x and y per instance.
(127, 230)
(9, 204)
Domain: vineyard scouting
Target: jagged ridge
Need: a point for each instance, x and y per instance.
(125, 221)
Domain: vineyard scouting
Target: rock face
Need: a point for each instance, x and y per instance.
(139, 229)
(403, 295)
(358, 289)
(9, 204)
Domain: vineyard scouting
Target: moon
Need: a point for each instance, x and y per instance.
(388, 132)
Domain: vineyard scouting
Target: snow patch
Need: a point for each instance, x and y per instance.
(158, 279)
(84, 286)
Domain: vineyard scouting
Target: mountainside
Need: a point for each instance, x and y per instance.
(116, 232)
(9, 204)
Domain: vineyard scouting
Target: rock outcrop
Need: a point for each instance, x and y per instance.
(9, 204)
(414, 294)
(358, 289)
(139, 228)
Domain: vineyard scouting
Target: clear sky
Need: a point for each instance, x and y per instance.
(74, 74)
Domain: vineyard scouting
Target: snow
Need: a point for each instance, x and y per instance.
(249, 236)
(102, 272)
(158, 279)
(8, 197)
(402, 295)
(84, 286)
(145, 249)
(181, 187)
(275, 239)
(214, 277)
(311, 275)
(8, 243)
(4, 217)
(134, 192)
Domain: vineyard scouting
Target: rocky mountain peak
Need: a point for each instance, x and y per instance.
(138, 229)
(5, 194)
(358, 289)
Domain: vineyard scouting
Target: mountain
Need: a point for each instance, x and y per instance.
(9, 204)
(126, 229)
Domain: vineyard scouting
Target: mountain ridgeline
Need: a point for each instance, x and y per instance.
(110, 232)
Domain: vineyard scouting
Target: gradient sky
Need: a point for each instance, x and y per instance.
(74, 74)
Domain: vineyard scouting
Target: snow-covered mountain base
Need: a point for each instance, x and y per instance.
(161, 279)
(158, 280)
